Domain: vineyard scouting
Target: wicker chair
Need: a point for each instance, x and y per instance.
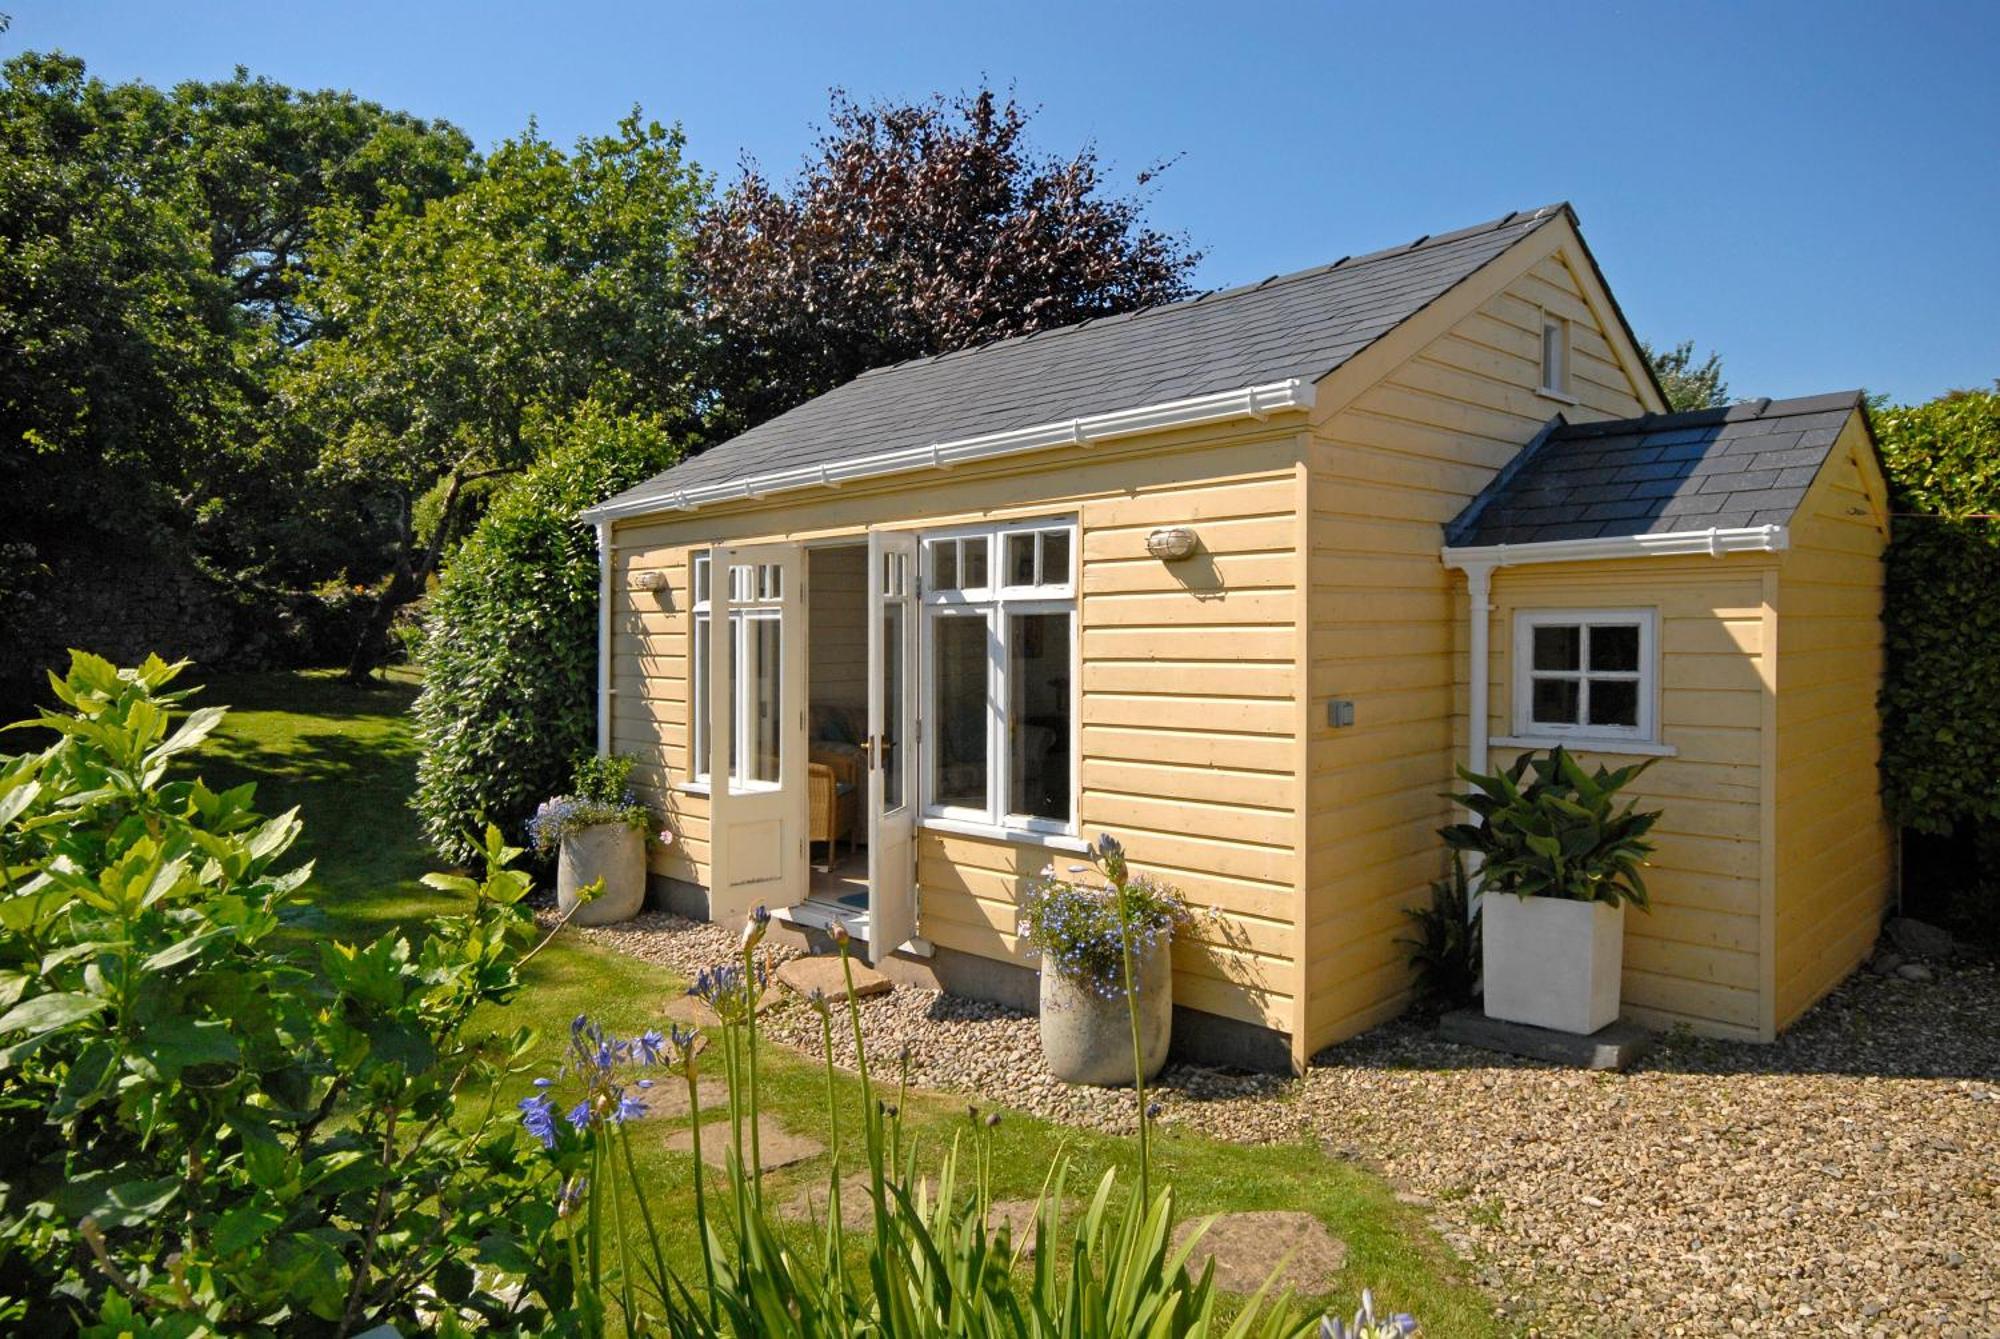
(834, 798)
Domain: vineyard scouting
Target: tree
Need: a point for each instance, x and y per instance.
(1688, 384)
(509, 651)
(455, 329)
(913, 230)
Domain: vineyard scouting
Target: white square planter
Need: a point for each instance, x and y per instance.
(1551, 962)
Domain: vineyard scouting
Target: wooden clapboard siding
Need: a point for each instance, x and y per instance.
(1697, 957)
(1395, 460)
(1188, 701)
(1834, 846)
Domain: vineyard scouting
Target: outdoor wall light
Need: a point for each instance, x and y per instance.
(1171, 544)
(656, 582)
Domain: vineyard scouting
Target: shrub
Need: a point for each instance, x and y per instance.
(199, 1133)
(509, 652)
(1558, 835)
(1446, 950)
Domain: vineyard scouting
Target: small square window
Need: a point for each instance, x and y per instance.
(1584, 675)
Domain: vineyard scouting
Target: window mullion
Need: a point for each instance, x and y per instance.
(997, 769)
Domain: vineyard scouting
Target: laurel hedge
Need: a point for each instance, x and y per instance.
(1940, 703)
(509, 647)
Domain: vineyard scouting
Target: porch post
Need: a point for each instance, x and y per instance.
(603, 638)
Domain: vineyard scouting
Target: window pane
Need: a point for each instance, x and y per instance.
(1038, 712)
(701, 697)
(893, 632)
(1614, 702)
(1558, 647)
(765, 705)
(1055, 558)
(1614, 647)
(944, 565)
(1021, 559)
(1555, 701)
(961, 711)
(973, 561)
(701, 580)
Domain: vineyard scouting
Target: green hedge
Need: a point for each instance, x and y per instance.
(1941, 695)
(509, 651)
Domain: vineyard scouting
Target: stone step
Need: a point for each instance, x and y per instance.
(1248, 1247)
(1617, 1046)
(778, 1146)
(822, 972)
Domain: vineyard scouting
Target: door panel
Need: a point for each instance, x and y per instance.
(756, 729)
(892, 662)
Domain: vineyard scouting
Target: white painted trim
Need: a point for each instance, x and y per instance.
(1479, 629)
(1638, 748)
(1054, 841)
(1251, 402)
(604, 689)
(1715, 543)
(1646, 676)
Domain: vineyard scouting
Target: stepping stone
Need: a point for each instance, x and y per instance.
(823, 973)
(779, 1146)
(857, 1203)
(1020, 1217)
(668, 1097)
(1247, 1247)
(689, 1011)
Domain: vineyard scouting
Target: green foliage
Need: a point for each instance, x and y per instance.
(603, 778)
(600, 792)
(1446, 950)
(1688, 384)
(199, 1133)
(1940, 717)
(510, 650)
(1560, 835)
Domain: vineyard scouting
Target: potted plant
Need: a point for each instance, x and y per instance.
(1104, 946)
(599, 832)
(1558, 861)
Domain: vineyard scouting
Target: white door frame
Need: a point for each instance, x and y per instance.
(892, 817)
(757, 827)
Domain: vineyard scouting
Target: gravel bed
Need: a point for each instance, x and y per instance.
(1843, 1181)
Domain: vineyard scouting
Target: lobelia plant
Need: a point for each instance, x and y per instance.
(203, 1130)
(600, 792)
(1561, 834)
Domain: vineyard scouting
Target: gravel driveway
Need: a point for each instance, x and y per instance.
(1845, 1180)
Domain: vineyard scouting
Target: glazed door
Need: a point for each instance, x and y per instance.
(756, 729)
(892, 661)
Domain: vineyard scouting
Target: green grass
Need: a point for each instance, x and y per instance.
(345, 756)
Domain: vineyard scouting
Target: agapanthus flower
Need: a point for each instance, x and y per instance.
(579, 1115)
(652, 1046)
(571, 1195)
(628, 1108)
(538, 1116)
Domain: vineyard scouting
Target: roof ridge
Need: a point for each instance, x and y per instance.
(1738, 411)
(1427, 242)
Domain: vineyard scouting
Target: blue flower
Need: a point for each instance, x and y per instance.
(579, 1115)
(628, 1108)
(538, 1115)
(652, 1046)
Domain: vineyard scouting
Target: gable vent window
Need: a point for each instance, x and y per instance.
(1585, 674)
(1555, 356)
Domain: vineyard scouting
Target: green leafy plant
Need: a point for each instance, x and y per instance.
(1548, 828)
(600, 792)
(203, 1130)
(509, 653)
(1445, 951)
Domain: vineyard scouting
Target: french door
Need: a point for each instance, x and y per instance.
(892, 709)
(756, 729)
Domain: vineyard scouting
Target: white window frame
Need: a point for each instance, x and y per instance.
(746, 607)
(1581, 734)
(1555, 378)
(994, 604)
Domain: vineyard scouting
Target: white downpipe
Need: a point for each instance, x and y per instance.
(603, 638)
(1478, 642)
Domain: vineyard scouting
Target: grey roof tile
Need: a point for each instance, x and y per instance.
(1300, 325)
(1740, 465)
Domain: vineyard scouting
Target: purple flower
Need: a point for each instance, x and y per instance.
(652, 1045)
(579, 1115)
(538, 1116)
(628, 1108)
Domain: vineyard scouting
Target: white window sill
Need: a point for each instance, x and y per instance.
(1053, 841)
(1560, 397)
(1638, 748)
(702, 788)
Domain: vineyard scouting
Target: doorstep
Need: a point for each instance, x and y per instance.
(1615, 1046)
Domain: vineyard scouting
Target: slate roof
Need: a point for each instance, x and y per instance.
(1741, 465)
(1298, 325)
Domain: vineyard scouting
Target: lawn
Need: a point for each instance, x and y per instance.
(345, 756)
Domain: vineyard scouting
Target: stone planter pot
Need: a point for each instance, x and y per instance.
(1552, 962)
(614, 852)
(1088, 1039)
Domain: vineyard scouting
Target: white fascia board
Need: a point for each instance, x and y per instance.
(1715, 543)
(1251, 402)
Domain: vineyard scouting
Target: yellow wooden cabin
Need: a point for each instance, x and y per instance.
(1239, 580)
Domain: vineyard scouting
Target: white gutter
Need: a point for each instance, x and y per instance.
(1251, 402)
(1715, 543)
(603, 638)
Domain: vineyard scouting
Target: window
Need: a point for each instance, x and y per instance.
(1000, 651)
(1584, 674)
(1555, 356)
(756, 635)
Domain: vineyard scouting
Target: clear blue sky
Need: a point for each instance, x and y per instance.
(1811, 188)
